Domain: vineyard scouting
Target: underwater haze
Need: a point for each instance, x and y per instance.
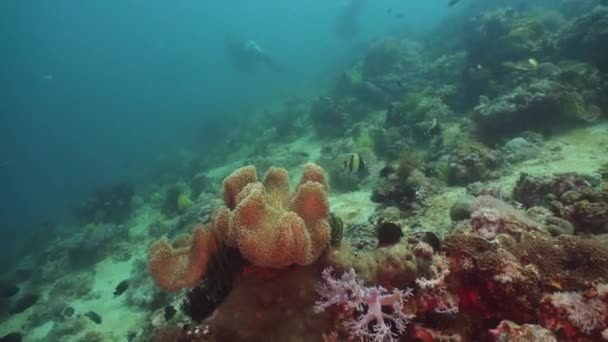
(93, 91)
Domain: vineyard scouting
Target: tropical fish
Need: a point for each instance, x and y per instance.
(122, 287)
(354, 163)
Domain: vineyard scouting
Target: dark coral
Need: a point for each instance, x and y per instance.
(388, 233)
(202, 300)
(337, 229)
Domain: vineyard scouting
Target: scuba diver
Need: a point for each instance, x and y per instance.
(248, 56)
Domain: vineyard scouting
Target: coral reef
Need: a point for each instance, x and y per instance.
(202, 300)
(576, 315)
(424, 243)
(570, 94)
(569, 196)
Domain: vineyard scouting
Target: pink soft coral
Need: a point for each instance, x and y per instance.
(364, 306)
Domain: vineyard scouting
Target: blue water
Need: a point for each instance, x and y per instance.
(93, 91)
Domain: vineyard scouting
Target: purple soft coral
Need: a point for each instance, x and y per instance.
(364, 306)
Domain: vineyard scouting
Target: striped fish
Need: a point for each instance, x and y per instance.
(354, 163)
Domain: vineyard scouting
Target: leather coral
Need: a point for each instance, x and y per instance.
(183, 263)
(271, 226)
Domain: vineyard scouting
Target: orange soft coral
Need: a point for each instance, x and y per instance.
(184, 262)
(270, 226)
(236, 182)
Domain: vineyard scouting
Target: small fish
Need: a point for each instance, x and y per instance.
(533, 62)
(354, 164)
(389, 10)
(399, 15)
(121, 287)
(479, 66)
(94, 316)
(399, 83)
(48, 77)
(453, 3)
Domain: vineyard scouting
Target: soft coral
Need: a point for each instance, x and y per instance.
(367, 321)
